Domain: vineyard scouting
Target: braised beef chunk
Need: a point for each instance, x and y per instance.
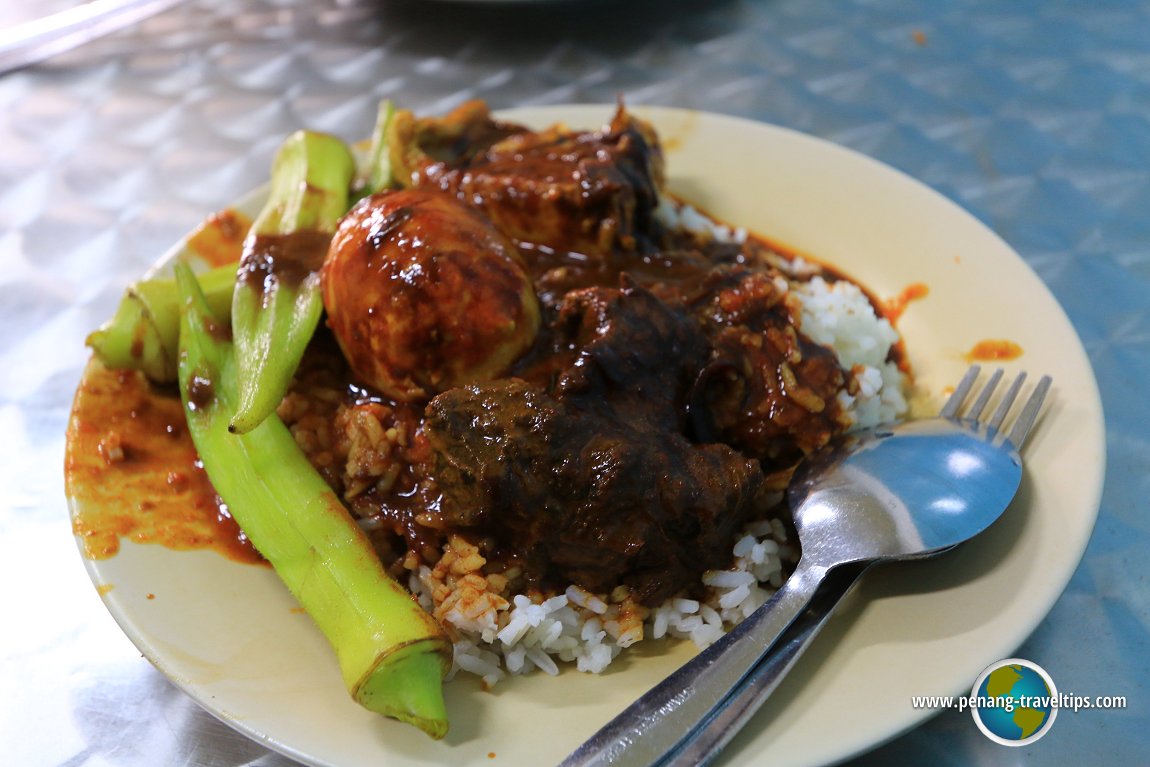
(768, 390)
(627, 352)
(586, 496)
(586, 193)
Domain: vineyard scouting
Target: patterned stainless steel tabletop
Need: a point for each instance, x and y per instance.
(1034, 115)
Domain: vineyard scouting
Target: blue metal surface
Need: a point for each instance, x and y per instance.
(1033, 115)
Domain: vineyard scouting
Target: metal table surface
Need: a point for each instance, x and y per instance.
(1034, 115)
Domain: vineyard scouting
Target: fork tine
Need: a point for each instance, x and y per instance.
(984, 396)
(1007, 400)
(1021, 429)
(950, 409)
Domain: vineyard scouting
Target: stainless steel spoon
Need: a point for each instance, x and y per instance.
(896, 492)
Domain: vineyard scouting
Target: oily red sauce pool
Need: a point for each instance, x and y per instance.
(133, 473)
(130, 466)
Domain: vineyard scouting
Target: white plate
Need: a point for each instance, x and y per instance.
(227, 634)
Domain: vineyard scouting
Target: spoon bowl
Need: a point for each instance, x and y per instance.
(906, 490)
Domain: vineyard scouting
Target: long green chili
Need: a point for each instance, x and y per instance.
(143, 334)
(392, 654)
(277, 302)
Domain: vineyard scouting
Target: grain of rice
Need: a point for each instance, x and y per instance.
(660, 622)
(687, 606)
(728, 579)
(744, 546)
(594, 658)
(542, 661)
(583, 598)
(515, 659)
(734, 597)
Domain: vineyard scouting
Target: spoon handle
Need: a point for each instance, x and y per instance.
(709, 738)
(658, 722)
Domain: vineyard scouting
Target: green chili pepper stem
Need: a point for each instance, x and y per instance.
(143, 333)
(377, 174)
(391, 653)
(277, 302)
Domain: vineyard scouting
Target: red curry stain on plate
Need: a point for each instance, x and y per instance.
(992, 349)
(893, 308)
(133, 471)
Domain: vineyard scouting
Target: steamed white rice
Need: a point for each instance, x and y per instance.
(840, 316)
(496, 636)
